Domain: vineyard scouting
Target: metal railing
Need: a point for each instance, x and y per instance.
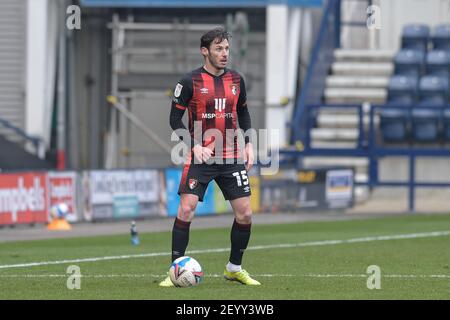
(37, 143)
(370, 146)
(139, 124)
(321, 59)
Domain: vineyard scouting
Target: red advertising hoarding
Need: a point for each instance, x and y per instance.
(62, 189)
(23, 198)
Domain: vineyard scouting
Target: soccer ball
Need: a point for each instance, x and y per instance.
(59, 211)
(185, 272)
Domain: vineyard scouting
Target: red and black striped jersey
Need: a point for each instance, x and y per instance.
(214, 102)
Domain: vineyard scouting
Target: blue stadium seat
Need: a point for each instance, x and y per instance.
(402, 93)
(446, 122)
(441, 37)
(394, 124)
(438, 63)
(433, 89)
(425, 125)
(415, 36)
(409, 62)
(403, 89)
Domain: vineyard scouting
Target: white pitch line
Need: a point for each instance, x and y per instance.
(409, 276)
(400, 276)
(121, 275)
(261, 247)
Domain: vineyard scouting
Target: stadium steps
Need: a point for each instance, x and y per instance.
(338, 111)
(341, 134)
(327, 162)
(363, 55)
(354, 95)
(356, 77)
(16, 157)
(362, 68)
(357, 81)
(338, 120)
(333, 144)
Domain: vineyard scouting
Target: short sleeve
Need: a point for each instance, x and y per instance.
(182, 93)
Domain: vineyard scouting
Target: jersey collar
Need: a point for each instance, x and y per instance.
(225, 70)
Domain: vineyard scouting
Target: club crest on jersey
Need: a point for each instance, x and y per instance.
(193, 183)
(234, 88)
(177, 91)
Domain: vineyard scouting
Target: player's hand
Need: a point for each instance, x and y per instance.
(201, 154)
(249, 158)
(206, 152)
(198, 153)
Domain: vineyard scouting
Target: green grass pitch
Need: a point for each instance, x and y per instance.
(305, 268)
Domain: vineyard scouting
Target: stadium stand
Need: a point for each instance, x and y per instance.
(415, 36)
(446, 123)
(377, 104)
(409, 62)
(412, 82)
(402, 90)
(438, 63)
(16, 157)
(441, 37)
(433, 89)
(420, 82)
(425, 121)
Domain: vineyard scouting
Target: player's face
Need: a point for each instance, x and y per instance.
(218, 54)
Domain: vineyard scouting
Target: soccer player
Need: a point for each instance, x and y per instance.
(215, 96)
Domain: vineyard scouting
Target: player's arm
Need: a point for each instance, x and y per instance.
(180, 102)
(181, 96)
(245, 123)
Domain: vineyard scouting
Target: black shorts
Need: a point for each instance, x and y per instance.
(232, 179)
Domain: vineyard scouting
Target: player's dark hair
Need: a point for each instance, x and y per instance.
(218, 33)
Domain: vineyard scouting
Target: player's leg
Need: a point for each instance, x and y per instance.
(193, 184)
(180, 229)
(240, 232)
(235, 187)
(240, 236)
(182, 223)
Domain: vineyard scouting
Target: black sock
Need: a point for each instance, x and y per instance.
(180, 238)
(240, 235)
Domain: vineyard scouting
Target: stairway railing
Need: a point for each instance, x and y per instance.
(37, 143)
(320, 62)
